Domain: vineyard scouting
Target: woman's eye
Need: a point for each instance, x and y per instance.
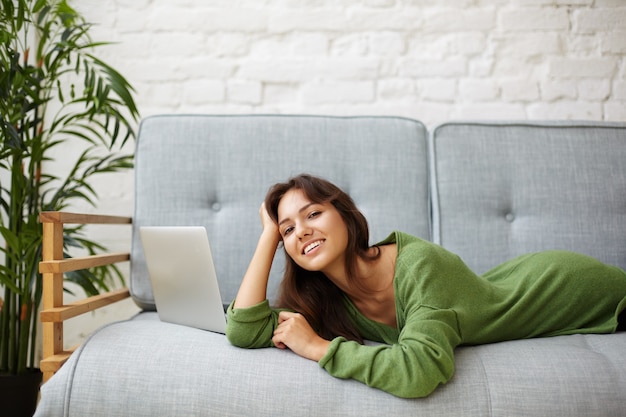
(314, 214)
(287, 230)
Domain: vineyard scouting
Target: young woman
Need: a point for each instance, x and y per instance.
(415, 297)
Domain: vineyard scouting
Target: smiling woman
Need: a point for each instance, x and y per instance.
(414, 297)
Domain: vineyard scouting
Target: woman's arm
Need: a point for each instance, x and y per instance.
(253, 287)
(422, 359)
(251, 321)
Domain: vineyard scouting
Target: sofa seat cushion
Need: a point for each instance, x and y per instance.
(144, 367)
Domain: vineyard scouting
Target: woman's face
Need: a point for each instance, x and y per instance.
(314, 235)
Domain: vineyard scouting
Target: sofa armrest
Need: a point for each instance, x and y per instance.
(52, 267)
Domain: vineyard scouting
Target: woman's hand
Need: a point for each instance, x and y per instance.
(254, 284)
(269, 225)
(295, 333)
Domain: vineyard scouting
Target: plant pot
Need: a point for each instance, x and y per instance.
(19, 393)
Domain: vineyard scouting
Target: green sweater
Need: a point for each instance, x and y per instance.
(441, 303)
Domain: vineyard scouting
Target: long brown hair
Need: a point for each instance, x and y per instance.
(310, 293)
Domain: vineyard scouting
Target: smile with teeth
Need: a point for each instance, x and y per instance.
(311, 246)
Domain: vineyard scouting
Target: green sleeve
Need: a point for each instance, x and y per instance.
(251, 327)
(422, 359)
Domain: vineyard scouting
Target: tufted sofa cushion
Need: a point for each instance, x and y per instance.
(214, 171)
(504, 189)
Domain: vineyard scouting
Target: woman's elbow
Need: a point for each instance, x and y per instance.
(246, 336)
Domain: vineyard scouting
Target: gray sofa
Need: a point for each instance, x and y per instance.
(487, 191)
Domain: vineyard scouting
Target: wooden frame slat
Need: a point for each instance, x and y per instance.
(53, 363)
(83, 306)
(75, 264)
(81, 218)
(52, 267)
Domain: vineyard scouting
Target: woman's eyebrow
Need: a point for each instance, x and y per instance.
(306, 206)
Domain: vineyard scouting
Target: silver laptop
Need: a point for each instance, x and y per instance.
(184, 282)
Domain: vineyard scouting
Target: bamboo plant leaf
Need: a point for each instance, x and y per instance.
(48, 60)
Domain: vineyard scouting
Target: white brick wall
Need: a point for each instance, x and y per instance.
(433, 60)
(462, 59)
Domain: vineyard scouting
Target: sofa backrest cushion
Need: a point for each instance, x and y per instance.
(504, 189)
(215, 171)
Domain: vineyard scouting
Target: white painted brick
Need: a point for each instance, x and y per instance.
(151, 70)
(396, 89)
(230, 44)
(132, 22)
(428, 45)
(469, 43)
(241, 91)
(129, 4)
(460, 20)
(338, 92)
(593, 20)
(488, 111)
(446, 44)
(615, 110)
(386, 44)
(619, 90)
(307, 20)
(133, 46)
(558, 89)
(515, 65)
(275, 93)
(286, 4)
(301, 69)
(534, 19)
(609, 3)
(200, 66)
(581, 45)
(565, 110)
(431, 113)
(457, 3)
(527, 44)
(481, 67)
(573, 2)
(379, 3)
(451, 67)
(519, 89)
(241, 19)
(353, 44)
(614, 43)
(526, 3)
(362, 20)
(437, 89)
(307, 44)
(304, 44)
(178, 44)
(202, 91)
(173, 18)
(161, 94)
(593, 89)
(580, 67)
(478, 89)
(101, 13)
(276, 70)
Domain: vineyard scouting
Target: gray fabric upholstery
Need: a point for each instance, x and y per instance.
(144, 367)
(214, 171)
(498, 189)
(505, 189)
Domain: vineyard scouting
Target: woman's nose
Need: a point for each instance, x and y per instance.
(303, 231)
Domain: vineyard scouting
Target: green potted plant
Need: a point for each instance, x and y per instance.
(53, 91)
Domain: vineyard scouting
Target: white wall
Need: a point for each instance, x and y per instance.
(425, 59)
